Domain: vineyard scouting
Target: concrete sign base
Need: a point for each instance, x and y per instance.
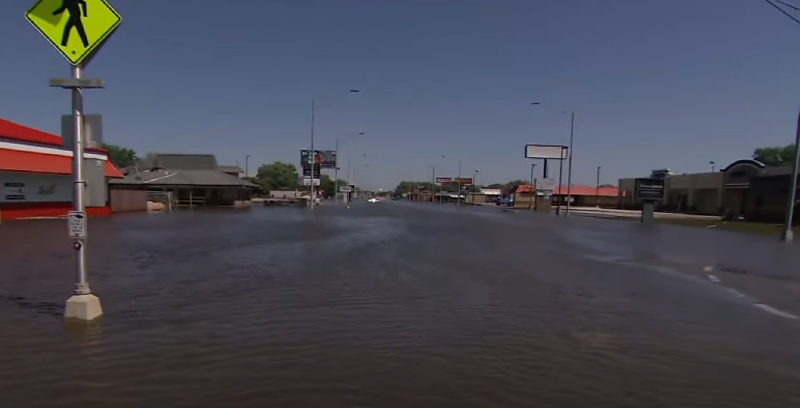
(83, 307)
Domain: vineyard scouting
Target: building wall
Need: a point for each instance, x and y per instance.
(28, 195)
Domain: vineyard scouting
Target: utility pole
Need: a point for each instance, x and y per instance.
(569, 166)
(597, 188)
(312, 156)
(787, 234)
(533, 190)
(336, 174)
(458, 197)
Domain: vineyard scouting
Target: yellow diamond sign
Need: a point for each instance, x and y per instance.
(74, 27)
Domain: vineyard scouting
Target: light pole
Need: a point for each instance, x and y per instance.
(787, 235)
(312, 154)
(474, 184)
(530, 200)
(569, 165)
(441, 189)
(458, 193)
(597, 188)
(336, 171)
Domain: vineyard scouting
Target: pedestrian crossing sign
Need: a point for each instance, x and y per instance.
(75, 27)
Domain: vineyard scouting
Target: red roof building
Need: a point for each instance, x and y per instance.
(577, 190)
(35, 170)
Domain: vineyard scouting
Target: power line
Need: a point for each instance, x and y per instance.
(795, 8)
(770, 2)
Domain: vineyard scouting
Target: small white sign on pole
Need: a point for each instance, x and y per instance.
(76, 221)
(545, 185)
(309, 181)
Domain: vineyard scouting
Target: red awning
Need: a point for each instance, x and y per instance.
(30, 162)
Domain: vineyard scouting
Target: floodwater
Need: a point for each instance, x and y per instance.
(391, 305)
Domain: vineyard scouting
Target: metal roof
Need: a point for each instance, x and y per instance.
(213, 178)
(230, 169)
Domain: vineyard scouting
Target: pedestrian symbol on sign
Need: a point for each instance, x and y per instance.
(75, 8)
(68, 25)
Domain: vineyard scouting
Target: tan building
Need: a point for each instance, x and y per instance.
(745, 187)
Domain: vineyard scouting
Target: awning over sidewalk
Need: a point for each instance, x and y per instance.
(33, 162)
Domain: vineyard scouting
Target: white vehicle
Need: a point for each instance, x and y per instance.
(372, 200)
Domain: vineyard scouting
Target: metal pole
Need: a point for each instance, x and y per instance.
(787, 234)
(530, 200)
(312, 155)
(82, 284)
(458, 196)
(597, 188)
(336, 175)
(560, 173)
(569, 166)
(433, 184)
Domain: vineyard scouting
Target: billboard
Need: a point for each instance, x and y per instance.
(553, 152)
(649, 189)
(322, 159)
(326, 159)
(464, 181)
(444, 180)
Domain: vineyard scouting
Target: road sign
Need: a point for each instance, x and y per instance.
(76, 221)
(307, 181)
(545, 185)
(76, 28)
(649, 189)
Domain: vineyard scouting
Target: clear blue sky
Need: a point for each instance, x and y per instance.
(655, 84)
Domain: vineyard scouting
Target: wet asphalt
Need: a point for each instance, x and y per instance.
(400, 304)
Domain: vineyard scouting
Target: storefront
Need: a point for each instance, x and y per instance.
(35, 175)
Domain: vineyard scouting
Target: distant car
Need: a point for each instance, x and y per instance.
(504, 202)
(372, 200)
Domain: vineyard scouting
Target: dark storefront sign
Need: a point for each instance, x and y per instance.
(649, 189)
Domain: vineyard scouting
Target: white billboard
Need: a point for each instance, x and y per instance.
(554, 152)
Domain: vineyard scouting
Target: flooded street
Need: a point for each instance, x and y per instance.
(396, 305)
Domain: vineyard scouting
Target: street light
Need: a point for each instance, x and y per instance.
(597, 189)
(569, 165)
(530, 200)
(336, 171)
(474, 183)
(441, 188)
(713, 165)
(312, 154)
(787, 235)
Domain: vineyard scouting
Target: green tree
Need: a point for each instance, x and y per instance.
(277, 176)
(328, 185)
(121, 156)
(775, 155)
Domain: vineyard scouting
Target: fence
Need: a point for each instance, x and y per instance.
(163, 197)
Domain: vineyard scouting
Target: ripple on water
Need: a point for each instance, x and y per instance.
(387, 306)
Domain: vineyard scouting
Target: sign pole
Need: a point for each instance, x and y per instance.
(79, 184)
(82, 305)
(77, 33)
